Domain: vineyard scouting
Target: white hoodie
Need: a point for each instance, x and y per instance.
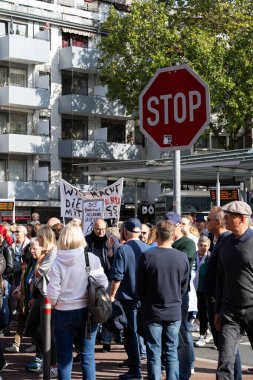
(67, 288)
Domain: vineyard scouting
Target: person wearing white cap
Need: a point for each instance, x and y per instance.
(234, 292)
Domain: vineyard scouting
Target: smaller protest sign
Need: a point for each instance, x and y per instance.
(92, 210)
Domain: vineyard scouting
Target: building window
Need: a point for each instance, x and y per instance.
(3, 28)
(74, 174)
(220, 143)
(202, 142)
(74, 83)
(239, 144)
(17, 170)
(70, 39)
(13, 123)
(116, 130)
(3, 123)
(74, 128)
(18, 123)
(16, 28)
(3, 76)
(43, 164)
(2, 170)
(139, 138)
(17, 77)
(44, 128)
(12, 77)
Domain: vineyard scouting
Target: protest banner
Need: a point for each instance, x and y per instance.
(92, 210)
(72, 199)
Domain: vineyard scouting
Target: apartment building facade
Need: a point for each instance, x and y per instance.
(54, 114)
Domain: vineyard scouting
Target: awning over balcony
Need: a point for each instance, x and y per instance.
(77, 31)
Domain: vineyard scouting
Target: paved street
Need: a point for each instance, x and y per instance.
(209, 351)
(108, 364)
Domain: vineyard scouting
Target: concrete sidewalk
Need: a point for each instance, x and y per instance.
(107, 364)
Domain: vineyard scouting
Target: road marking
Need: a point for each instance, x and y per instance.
(244, 343)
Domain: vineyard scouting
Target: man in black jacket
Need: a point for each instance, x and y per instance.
(234, 291)
(97, 244)
(216, 225)
(103, 247)
(162, 280)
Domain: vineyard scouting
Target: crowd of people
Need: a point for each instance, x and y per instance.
(186, 273)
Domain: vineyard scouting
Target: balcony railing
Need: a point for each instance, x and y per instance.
(33, 98)
(17, 48)
(24, 144)
(99, 149)
(91, 106)
(76, 58)
(26, 191)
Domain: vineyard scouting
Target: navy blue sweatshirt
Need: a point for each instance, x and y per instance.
(124, 268)
(162, 280)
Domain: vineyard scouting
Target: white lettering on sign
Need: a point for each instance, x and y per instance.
(190, 101)
(193, 106)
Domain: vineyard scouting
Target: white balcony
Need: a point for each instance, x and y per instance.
(91, 106)
(16, 48)
(98, 148)
(26, 191)
(34, 98)
(24, 144)
(78, 59)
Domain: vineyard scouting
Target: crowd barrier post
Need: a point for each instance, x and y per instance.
(46, 338)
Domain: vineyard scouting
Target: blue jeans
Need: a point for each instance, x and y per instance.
(142, 346)
(162, 336)
(5, 312)
(186, 347)
(106, 335)
(67, 324)
(131, 342)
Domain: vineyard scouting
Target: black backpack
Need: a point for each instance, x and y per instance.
(99, 304)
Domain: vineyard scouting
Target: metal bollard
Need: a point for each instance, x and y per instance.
(46, 338)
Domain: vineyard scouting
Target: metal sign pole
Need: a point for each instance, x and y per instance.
(218, 189)
(135, 200)
(14, 212)
(176, 182)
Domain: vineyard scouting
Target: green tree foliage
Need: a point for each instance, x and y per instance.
(215, 37)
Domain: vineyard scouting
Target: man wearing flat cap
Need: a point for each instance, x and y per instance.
(123, 276)
(234, 294)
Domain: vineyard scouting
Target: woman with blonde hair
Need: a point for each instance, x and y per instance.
(67, 291)
(152, 237)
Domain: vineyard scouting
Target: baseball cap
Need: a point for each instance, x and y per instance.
(238, 207)
(173, 217)
(200, 218)
(133, 225)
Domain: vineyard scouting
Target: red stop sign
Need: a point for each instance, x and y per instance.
(174, 108)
